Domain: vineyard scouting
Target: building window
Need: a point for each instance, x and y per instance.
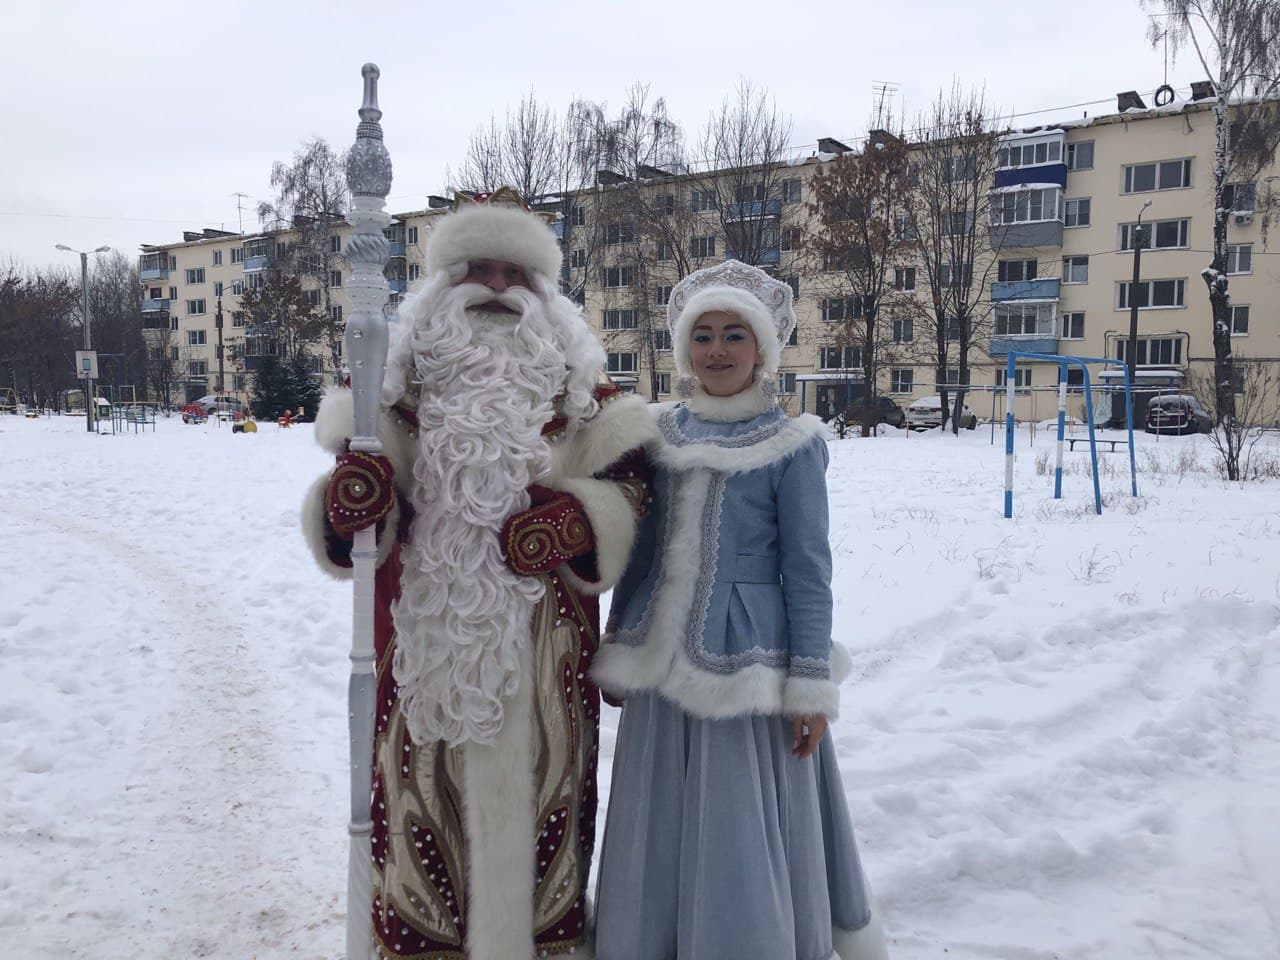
(1024, 320)
(415, 271)
(623, 362)
(905, 227)
(791, 191)
(239, 318)
(949, 277)
(1080, 155)
(173, 354)
(951, 329)
(1029, 154)
(619, 320)
(794, 339)
(616, 233)
(701, 200)
(237, 255)
(217, 288)
(661, 295)
(904, 278)
(335, 312)
(790, 239)
(312, 297)
(1152, 351)
(577, 216)
(173, 323)
(958, 223)
(1021, 377)
(1239, 319)
(1010, 271)
(335, 278)
(613, 277)
(662, 340)
(793, 282)
(702, 247)
(195, 275)
(335, 244)
(173, 263)
(1154, 294)
(1076, 212)
(577, 259)
(951, 377)
(1161, 235)
(1162, 175)
(786, 383)
(238, 382)
(195, 307)
(237, 287)
(1240, 258)
(411, 235)
(663, 251)
(1073, 326)
(664, 383)
(198, 368)
(217, 258)
(839, 358)
(904, 330)
(196, 338)
(901, 380)
(1075, 269)
(1026, 205)
(664, 205)
(173, 293)
(835, 309)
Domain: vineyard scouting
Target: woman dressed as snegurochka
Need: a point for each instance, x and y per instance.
(728, 836)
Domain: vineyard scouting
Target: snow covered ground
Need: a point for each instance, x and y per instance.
(1061, 739)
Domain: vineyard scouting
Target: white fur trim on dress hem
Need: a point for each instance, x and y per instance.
(498, 818)
(795, 433)
(613, 529)
(315, 528)
(867, 943)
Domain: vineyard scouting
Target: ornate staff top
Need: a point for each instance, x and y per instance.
(368, 163)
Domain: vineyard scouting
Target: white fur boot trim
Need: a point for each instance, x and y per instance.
(865, 944)
(498, 816)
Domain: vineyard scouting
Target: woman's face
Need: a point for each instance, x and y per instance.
(723, 353)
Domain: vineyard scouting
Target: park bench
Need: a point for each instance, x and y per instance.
(1111, 444)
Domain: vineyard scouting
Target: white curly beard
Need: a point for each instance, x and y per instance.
(487, 382)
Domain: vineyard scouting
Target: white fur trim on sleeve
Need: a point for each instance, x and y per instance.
(613, 528)
(622, 425)
(806, 695)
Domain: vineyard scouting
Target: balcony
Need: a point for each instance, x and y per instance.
(396, 248)
(1003, 346)
(1055, 173)
(155, 306)
(754, 210)
(153, 266)
(1017, 236)
(397, 284)
(1043, 289)
(257, 264)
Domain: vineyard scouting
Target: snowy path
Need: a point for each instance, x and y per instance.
(1061, 740)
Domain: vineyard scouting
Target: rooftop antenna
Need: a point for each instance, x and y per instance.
(884, 91)
(239, 211)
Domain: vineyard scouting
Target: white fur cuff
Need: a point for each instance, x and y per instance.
(613, 525)
(864, 944)
(802, 696)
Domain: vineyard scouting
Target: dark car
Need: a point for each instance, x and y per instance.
(886, 411)
(1177, 413)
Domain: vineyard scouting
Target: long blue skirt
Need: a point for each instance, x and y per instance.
(721, 845)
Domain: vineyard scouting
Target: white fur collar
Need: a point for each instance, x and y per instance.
(735, 457)
(744, 405)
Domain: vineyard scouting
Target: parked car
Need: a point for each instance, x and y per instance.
(223, 407)
(1177, 413)
(926, 413)
(886, 411)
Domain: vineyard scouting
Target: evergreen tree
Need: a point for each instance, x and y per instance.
(304, 388)
(272, 390)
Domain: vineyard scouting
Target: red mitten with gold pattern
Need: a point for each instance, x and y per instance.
(554, 530)
(360, 493)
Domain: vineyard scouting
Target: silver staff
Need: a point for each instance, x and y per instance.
(369, 180)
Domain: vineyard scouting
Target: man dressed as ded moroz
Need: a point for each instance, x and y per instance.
(507, 501)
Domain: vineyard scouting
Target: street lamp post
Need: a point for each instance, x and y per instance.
(1139, 240)
(84, 316)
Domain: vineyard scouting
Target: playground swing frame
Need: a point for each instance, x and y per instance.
(1063, 363)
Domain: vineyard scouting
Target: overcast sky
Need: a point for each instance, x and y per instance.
(128, 122)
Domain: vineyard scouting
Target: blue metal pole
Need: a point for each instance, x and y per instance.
(1008, 439)
(1062, 425)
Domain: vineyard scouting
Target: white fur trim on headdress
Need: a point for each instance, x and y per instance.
(738, 288)
(478, 231)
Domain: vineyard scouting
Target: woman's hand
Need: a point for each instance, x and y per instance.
(806, 733)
